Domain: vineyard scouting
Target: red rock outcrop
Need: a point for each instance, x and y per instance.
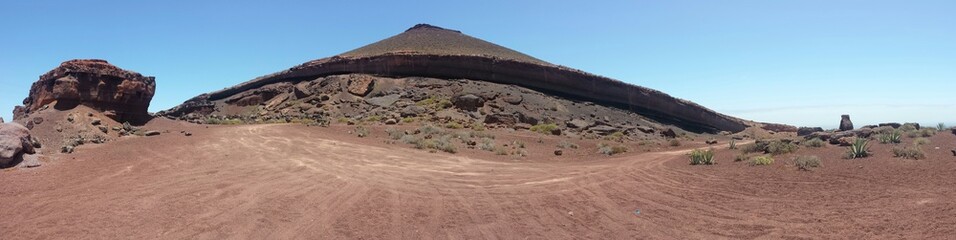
(428, 51)
(122, 95)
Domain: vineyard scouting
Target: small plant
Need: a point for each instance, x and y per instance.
(674, 142)
(342, 120)
(454, 125)
(487, 144)
(891, 137)
(543, 128)
(361, 131)
(806, 162)
(761, 160)
(609, 150)
(478, 126)
(754, 147)
(913, 152)
(518, 144)
(702, 157)
(408, 119)
(859, 149)
(733, 144)
(565, 144)
(940, 126)
(921, 141)
(814, 143)
(616, 136)
(501, 151)
(778, 147)
(394, 134)
(373, 118)
(740, 157)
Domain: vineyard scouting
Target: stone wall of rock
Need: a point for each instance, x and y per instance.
(555, 80)
(122, 95)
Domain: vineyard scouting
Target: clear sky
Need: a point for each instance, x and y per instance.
(800, 62)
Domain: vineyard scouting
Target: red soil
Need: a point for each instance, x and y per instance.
(292, 181)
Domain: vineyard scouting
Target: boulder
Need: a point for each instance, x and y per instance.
(669, 133)
(954, 152)
(513, 99)
(468, 102)
(301, 90)
(93, 83)
(894, 125)
(360, 85)
(579, 124)
(603, 130)
(804, 131)
(845, 123)
(413, 111)
(15, 140)
(916, 125)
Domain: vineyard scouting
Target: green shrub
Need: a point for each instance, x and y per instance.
(609, 150)
(778, 147)
(544, 128)
(702, 157)
(921, 141)
(859, 149)
(806, 162)
(814, 143)
(761, 160)
(430, 130)
(566, 144)
(891, 137)
(913, 152)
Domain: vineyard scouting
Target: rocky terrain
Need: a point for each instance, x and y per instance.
(426, 51)
(121, 95)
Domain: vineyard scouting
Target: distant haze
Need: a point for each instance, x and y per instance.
(802, 63)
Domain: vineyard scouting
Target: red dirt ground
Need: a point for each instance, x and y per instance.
(293, 181)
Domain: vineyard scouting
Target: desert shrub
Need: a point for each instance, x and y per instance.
(753, 147)
(410, 139)
(778, 147)
(517, 144)
(702, 157)
(442, 143)
(487, 144)
(908, 127)
(740, 157)
(927, 132)
(733, 144)
(408, 119)
(921, 141)
(674, 142)
(478, 126)
(891, 137)
(435, 102)
(565, 144)
(430, 129)
(940, 126)
(616, 136)
(859, 149)
(501, 151)
(463, 134)
(814, 143)
(913, 152)
(481, 134)
(373, 118)
(761, 160)
(361, 131)
(342, 120)
(454, 125)
(544, 128)
(394, 134)
(606, 149)
(806, 162)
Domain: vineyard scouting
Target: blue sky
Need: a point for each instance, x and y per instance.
(795, 62)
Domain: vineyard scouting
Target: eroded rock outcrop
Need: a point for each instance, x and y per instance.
(120, 94)
(15, 141)
(428, 51)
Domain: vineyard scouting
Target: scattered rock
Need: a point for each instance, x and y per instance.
(556, 131)
(894, 125)
(30, 161)
(96, 122)
(37, 120)
(804, 131)
(188, 134)
(390, 121)
(558, 152)
(103, 128)
(669, 133)
(579, 124)
(413, 111)
(603, 130)
(513, 99)
(711, 141)
(151, 133)
(302, 90)
(67, 149)
(845, 123)
(15, 140)
(383, 101)
(360, 85)
(500, 118)
(468, 102)
(954, 152)
(651, 130)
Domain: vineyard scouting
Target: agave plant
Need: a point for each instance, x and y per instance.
(859, 149)
(733, 144)
(941, 126)
(893, 137)
(702, 157)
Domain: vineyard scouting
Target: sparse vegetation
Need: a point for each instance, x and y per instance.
(453, 125)
(761, 160)
(408, 120)
(921, 141)
(733, 144)
(702, 157)
(565, 144)
(778, 147)
(674, 142)
(741, 157)
(806, 162)
(858, 149)
(606, 149)
(814, 143)
(914, 152)
(544, 128)
(891, 137)
(361, 131)
(487, 144)
(394, 134)
(226, 121)
(342, 120)
(442, 143)
(616, 136)
(435, 103)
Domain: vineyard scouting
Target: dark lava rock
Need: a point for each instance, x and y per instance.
(804, 131)
(468, 102)
(502, 119)
(413, 111)
(603, 130)
(845, 123)
(558, 152)
(669, 133)
(151, 133)
(894, 125)
(579, 124)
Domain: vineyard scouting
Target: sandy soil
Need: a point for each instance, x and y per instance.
(292, 181)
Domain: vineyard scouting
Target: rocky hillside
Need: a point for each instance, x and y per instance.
(119, 94)
(430, 52)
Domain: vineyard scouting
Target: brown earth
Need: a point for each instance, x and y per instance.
(293, 181)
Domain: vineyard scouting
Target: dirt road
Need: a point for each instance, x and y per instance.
(295, 182)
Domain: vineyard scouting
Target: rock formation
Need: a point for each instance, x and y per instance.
(433, 52)
(15, 141)
(119, 94)
(845, 123)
